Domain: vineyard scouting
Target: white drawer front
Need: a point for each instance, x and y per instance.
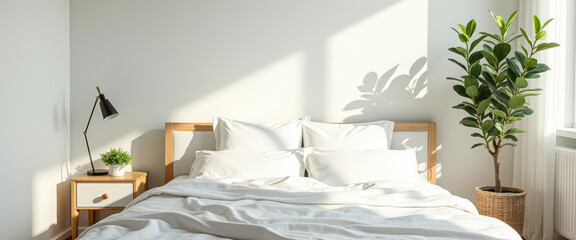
(90, 194)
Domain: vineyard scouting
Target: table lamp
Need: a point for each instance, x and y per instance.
(108, 112)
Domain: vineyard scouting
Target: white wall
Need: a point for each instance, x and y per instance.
(34, 120)
(261, 60)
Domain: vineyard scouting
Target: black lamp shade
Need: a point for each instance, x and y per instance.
(108, 111)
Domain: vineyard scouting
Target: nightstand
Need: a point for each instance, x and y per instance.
(103, 193)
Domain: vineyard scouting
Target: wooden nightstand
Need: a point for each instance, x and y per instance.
(103, 192)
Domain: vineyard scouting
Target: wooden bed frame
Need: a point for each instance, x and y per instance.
(171, 127)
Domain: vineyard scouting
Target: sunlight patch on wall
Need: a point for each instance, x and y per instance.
(101, 143)
(275, 87)
(44, 199)
(395, 38)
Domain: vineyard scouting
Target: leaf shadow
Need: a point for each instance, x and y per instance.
(390, 91)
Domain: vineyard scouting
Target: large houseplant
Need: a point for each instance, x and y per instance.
(495, 83)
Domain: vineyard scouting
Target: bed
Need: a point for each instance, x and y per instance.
(309, 204)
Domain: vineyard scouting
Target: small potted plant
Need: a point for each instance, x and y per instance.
(116, 160)
(495, 85)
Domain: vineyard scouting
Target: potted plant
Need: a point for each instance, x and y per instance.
(116, 160)
(495, 87)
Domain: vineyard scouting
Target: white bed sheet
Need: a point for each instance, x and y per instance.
(298, 208)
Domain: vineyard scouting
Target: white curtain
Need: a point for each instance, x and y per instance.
(534, 158)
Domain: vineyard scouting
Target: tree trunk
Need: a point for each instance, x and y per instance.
(497, 185)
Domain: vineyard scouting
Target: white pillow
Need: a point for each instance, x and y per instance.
(370, 135)
(273, 136)
(247, 164)
(346, 166)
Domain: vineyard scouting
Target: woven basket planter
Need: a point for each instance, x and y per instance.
(507, 206)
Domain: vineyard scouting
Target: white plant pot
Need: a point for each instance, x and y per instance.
(116, 170)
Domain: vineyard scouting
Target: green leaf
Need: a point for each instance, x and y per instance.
(520, 58)
(516, 102)
(455, 50)
(462, 28)
(455, 79)
(493, 36)
(500, 21)
(471, 27)
(539, 69)
(532, 90)
(475, 42)
(511, 138)
(499, 126)
(509, 40)
(475, 57)
(521, 82)
(514, 130)
(493, 16)
(509, 144)
(470, 81)
(458, 63)
(489, 69)
(511, 18)
(483, 105)
(460, 90)
(501, 95)
(469, 122)
(524, 49)
(486, 47)
(536, 24)
(522, 112)
(541, 35)
(501, 77)
(498, 113)
(476, 145)
(462, 50)
(492, 60)
(544, 46)
(475, 70)
(472, 91)
(463, 38)
(531, 62)
(512, 65)
(457, 33)
(470, 110)
(546, 23)
(526, 37)
(484, 92)
(501, 50)
(477, 135)
(487, 125)
(503, 30)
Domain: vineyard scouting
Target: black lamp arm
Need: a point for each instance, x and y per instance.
(86, 132)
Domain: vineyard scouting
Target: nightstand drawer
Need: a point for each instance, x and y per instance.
(104, 194)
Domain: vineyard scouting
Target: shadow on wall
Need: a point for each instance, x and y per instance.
(384, 93)
(148, 152)
(394, 92)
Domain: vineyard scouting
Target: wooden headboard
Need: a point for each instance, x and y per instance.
(171, 127)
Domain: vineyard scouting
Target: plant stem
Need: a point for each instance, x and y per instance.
(495, 155)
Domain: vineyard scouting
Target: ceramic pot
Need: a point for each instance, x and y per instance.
(116, 170)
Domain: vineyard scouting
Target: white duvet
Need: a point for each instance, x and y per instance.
(297, 208)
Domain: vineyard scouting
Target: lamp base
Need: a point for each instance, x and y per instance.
(97, 172)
